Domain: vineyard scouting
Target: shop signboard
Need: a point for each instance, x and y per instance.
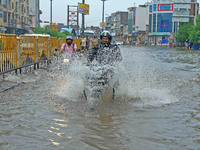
(103, 24)
(83, 8)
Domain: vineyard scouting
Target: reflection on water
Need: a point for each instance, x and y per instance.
(156, 106)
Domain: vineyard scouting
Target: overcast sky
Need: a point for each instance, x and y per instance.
(96, 6)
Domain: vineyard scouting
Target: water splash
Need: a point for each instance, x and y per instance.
(142, 82)
(138, 80)
(68, 77)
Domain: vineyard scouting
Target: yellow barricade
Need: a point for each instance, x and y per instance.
(43, 48)
(60, 42)
(8, 52)
(53, 45)
(27, 50)
(94, 43)
(78, 43)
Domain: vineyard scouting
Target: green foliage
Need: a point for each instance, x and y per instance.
(189, 30)
(195, 33)
(184, 32)
(52, 33)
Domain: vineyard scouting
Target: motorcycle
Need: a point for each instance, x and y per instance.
(99, 84)
(65, 58)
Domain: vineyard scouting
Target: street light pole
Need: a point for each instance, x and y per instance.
(83, 20)
(37, 14)
(51, 15)
(103, 13)
(195, 17)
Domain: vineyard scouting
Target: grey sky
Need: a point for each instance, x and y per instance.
(95, 17)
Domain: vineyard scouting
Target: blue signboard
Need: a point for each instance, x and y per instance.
(164, 40)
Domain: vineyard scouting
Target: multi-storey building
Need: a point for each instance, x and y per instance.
(137, 21)
(184, 11)
(160, 20)
(165, 17)
(34, 13)
(108, 23)
(119, 23)
(15, 15)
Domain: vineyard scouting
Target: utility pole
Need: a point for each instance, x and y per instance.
(195, 9)
(72, 17)
(103, 13)
(51, 15)
(37, 13)
(83, 20)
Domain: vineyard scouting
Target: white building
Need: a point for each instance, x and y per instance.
(34, 13)
(138, 19)
(165, 17)
(184, 11)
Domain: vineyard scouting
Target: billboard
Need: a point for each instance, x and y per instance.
(54, 27)
(83, 8)
(103, 24)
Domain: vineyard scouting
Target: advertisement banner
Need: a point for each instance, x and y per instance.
(83, 8)
(19, 25)
(54, 26)
(103, 24)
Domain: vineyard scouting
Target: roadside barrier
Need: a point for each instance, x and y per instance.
(8, 52)
(28, 50)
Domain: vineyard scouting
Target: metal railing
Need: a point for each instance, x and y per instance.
(8, 52)
(23, 51)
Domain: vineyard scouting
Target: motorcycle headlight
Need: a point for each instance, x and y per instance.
(66, 60)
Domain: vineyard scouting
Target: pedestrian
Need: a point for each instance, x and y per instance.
(186, 44)
(145, 42)
(87, 43)
(83, 43)
(91, 42)
(191, 45)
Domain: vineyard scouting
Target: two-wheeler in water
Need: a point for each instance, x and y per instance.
(99, 84)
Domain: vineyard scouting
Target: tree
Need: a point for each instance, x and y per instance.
(52, 33)
(195, 32)
(184, 32)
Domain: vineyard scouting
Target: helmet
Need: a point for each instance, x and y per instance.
(69, 37)
(106, 34)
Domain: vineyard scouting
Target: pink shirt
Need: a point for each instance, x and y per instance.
(69, 49)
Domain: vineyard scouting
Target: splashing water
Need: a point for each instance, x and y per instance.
(138, 80)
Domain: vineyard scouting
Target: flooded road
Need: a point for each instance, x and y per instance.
(157, 106)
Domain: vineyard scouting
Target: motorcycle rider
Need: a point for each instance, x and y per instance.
(68, 47)
(105, 52)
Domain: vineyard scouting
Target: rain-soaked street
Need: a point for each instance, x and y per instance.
(157, 105)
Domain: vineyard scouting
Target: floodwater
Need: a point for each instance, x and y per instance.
(157, 105)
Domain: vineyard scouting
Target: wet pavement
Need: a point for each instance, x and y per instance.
(157, 105)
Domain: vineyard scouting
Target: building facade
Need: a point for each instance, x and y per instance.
(160, 20)
(119, 21)
(34, 13)
(16, 16)
(137, 21)
(184, 11)
(108, 23)
(165, 17)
